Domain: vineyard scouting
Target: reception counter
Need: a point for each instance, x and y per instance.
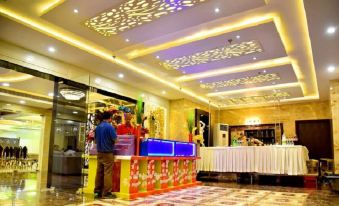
(139, 176)
(277, 159)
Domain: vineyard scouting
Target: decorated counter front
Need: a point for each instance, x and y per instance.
(162, 166)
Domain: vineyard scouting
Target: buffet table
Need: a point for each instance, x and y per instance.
(277, 159)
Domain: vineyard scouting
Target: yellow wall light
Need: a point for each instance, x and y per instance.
(264, 88)
(265, 64)
(229, 27)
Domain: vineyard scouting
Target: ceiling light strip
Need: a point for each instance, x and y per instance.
(249, 21)
(298, 47)
(264, 88)
(266, 64)
(76, 41)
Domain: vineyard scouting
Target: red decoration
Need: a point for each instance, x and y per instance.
(190, 137)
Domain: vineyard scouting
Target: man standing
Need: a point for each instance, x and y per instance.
(126, 128)
(105, 136)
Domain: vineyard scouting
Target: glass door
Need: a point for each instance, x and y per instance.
(68, 135)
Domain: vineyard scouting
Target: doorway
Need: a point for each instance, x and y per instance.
(316, 135)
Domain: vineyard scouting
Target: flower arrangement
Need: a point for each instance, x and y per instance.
(190, 125)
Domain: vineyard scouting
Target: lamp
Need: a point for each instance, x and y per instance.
(72, 94)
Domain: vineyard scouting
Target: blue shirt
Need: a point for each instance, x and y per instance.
(105, 136)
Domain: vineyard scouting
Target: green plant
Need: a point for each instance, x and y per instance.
(139, 110)
(190, 121)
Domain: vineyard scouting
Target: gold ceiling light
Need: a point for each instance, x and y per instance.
(241, 81)
(134, 13)
(256, 99)
(226, 52)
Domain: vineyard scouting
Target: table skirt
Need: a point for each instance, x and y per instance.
(278, 159)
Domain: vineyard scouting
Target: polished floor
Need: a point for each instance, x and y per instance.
(21, 190)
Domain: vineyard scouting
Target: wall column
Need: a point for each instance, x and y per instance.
(44, 151)
(334, 96)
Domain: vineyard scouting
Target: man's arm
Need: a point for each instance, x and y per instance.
(113, 134)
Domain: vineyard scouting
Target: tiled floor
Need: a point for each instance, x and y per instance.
(18, 191)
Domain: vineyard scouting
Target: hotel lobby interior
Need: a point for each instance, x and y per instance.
(230, 102)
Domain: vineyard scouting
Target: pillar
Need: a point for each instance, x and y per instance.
(334, 96)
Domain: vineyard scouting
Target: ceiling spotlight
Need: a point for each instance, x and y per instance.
(121, 75)
(216, 10)
(5, 84)
(51, 49)
(157, 57)
(22, 102)
(331, 30)
(163, 92)
(51, 94)
(127, 40)
(200, 81)
(264, 71)
(331, 88)
(97, 80)
(75, 11)
(75, 112)
(331, 68)
(183, 72)
(29, 58)
(254, 58)
(238, 37)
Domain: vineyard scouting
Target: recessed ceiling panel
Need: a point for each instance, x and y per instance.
(256, 97)
(133, 13)
(220, 53)
(243, 80)
(249, 45)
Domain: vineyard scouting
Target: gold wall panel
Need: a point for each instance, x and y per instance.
(134, 13)
(226, 52)
(241, 81)
(286, 114)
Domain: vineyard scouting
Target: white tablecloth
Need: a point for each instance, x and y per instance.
(277, 159)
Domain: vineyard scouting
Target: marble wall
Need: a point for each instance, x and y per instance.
(334, 96)
(178, 114)
(286, 114)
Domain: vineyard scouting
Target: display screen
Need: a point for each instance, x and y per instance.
(185, 149)
(157, 147)
(224, 127)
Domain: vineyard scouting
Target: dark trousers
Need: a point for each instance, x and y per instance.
(103, 179)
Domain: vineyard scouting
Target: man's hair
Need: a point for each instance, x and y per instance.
(106, 115)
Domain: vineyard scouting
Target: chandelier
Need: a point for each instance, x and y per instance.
(72, 94)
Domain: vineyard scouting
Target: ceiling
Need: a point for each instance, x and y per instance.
(224, 52)
(23, 89)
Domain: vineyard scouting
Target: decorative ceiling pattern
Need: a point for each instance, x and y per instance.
(241, 81)
(255, 99)
(226, 52)
(134, 13)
